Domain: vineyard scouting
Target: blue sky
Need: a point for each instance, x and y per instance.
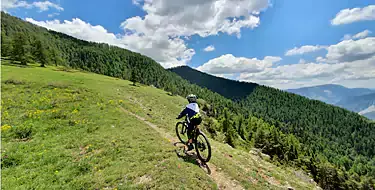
(173, 34)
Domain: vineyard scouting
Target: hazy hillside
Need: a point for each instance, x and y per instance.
(333, 144)
(358, 103)
(362, 104)
(330, 93)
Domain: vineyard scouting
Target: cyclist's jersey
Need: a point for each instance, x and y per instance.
(191, 110)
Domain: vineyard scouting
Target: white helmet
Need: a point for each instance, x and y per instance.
(191, 98)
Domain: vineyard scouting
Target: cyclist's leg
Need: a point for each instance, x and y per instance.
(190, 136)
(190, 132)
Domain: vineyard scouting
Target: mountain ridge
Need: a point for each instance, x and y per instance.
(329, 93)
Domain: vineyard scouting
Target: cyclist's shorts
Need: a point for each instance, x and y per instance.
(196, 119)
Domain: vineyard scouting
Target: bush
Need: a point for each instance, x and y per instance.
(9, 161)
(22, 131)
(60, 85)
(14, 81)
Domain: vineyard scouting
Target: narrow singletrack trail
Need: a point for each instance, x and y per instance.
(220, 178)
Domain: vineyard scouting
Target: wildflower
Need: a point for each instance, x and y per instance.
(120, 101)
(75, 111)
(5, 128)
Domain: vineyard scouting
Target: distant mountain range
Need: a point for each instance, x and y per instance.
(360, 100)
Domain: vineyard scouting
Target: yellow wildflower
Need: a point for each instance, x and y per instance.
(5, 128)
(75, 111)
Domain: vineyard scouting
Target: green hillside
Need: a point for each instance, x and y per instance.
(273, 121)
(340, 135)
(231, 89)
(71, 132)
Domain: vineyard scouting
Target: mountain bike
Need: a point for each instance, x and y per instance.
(201, 144)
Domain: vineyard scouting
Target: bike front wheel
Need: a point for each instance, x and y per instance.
(203, 147)
(181, 131)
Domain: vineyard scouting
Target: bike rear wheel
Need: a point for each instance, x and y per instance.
(203, 147)
(181, 131)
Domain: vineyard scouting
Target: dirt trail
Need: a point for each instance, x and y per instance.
(220, 178)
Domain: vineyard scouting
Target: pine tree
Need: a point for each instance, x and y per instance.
(54, 56)
(5, 45)
(134, 77)
(40, 53)
(20, 50)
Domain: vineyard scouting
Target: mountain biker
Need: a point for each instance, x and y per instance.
(192, 112)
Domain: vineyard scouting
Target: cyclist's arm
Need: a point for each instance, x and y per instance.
(182, 114)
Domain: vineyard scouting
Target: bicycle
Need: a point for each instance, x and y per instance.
(200, 140)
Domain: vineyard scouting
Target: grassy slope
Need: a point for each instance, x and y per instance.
(81, 139)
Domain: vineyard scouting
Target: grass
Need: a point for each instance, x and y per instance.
(64, 130)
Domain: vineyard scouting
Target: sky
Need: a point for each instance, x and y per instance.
(280, 43)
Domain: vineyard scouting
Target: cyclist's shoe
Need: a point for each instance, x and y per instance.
(190, 147)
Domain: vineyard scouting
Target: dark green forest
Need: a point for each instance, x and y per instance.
(336, 146)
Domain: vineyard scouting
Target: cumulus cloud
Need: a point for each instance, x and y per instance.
(347, 16)
(359, 35)
(350, 62)
(359, 72)
(229, 64)
(42, 6)
(160, 34)
(209, 48)
(190, 17)
(351, 50)
(168, 52)
(303, 50)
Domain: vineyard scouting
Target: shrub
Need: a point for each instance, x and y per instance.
(22, 131)
(14, 81)
(9, 161)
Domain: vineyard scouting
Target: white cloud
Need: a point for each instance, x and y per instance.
(161, 32)
(79, 29)
(356, 73)
(209, 48)
(190, 17)
(302, 61)
(350, 63)
(359, 35)
(351, 50)
(42, 6)
(228, 64)
(347, 16)
(168, 52)
(303, 49)
(53, 15)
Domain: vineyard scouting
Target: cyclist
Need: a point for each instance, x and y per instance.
(192, 112)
